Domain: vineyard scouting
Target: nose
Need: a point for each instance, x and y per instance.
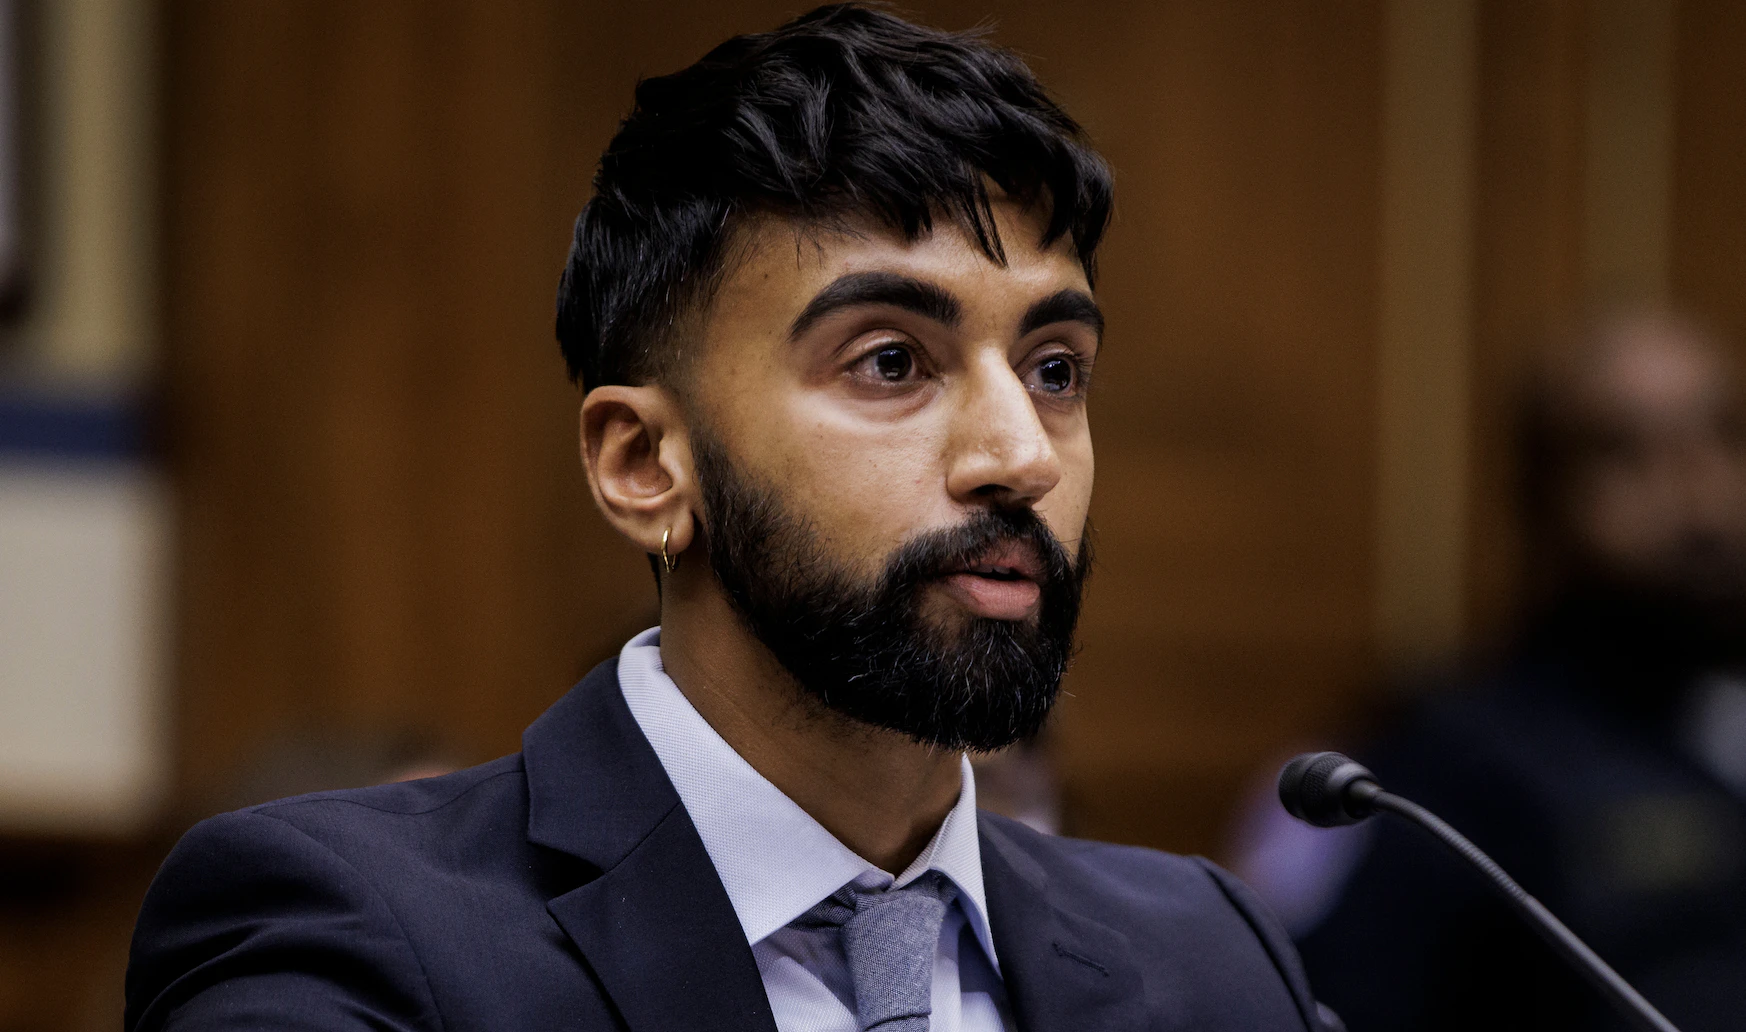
(1001, 453)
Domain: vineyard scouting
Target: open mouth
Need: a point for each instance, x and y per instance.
(1000, 584)
(1006, 561)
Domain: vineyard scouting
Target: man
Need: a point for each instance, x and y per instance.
(831, 309)
(1603, 762)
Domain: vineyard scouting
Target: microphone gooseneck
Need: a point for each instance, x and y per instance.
(1327, 790)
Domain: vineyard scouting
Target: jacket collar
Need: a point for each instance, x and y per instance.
(1062, 971)
(656, 925)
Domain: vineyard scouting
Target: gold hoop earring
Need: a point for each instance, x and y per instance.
(671, 562)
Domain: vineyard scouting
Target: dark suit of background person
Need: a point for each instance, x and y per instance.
(565, 888)
(1603, 760)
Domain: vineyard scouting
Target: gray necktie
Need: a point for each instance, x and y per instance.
(890, 939)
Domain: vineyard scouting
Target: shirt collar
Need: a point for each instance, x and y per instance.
(774, 860)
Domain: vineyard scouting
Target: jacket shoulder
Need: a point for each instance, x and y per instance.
(242, 893)
(1106, 874)
(1166, 905)
(310, 904)
(424, 796)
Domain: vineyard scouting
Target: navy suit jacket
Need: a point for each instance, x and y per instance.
(566, 888)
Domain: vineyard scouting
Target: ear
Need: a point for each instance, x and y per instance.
(638, 457)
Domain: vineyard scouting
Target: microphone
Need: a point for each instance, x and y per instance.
(1327, 790)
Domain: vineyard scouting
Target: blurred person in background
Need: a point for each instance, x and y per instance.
(1602, 761)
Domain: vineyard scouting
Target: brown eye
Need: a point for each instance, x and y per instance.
(892, 364)
(1055, 375)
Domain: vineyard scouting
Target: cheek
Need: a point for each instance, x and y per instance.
(867, 486)
(1623, 513)
(1066, 507)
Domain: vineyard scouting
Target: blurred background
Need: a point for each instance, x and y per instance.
(289, 490)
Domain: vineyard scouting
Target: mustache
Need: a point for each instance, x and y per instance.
(937, 553)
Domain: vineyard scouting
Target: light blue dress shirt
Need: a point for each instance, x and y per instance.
(776, 862)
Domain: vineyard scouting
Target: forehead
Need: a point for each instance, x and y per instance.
(1656, 372)
(776, 265)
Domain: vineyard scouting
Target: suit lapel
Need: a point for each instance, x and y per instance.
(659, 932)
(656, 925)
(1061, 971)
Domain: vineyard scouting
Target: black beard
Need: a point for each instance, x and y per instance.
(864, 649)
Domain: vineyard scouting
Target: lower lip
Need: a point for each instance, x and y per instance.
(994, 599)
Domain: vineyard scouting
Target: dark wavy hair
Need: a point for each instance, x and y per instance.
(847, 112)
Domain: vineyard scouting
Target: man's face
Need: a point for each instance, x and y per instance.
(1659, 501)
(897, 467)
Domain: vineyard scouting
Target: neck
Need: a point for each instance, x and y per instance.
(880, 793)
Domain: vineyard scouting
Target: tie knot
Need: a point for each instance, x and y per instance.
(930, 890)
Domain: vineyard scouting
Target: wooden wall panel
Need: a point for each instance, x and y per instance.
(385, 532)
(1527, 257)
(1709, 187)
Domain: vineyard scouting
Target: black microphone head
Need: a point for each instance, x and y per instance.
(1317, 788)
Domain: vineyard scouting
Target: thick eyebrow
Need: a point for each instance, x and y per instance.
(1063, 306)
(859, 289)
